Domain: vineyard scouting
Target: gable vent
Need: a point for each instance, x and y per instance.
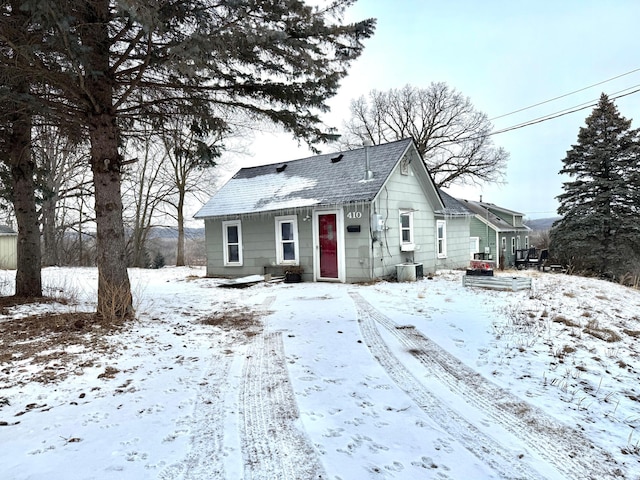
(337, 159)
(281, 168)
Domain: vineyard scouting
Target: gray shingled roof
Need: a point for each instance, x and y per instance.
(482, 209)
(452, 206)
(327, 179)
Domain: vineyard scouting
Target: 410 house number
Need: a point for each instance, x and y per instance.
(352, 215)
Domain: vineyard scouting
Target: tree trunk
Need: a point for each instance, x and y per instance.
(180, 252)
(28, 272)
(114, 289)
(50, 252)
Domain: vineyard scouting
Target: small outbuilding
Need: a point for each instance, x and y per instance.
(8, 248)
(351, 216)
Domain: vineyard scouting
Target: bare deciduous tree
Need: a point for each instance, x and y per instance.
(451, 135)
(144, 191)
(64, 180)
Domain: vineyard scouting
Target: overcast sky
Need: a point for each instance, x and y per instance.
(505, 56)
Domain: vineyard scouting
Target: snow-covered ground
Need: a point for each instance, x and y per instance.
(314, 380)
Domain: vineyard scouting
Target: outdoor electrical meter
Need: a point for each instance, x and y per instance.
(377, 223)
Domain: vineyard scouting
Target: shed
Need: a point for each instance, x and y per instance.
(349, 216)
(8, 248)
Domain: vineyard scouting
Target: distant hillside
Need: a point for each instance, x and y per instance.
(541, 224)
(171, 232)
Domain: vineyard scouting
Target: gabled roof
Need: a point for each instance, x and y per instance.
(452, 206)
(483, 212)
(327, 179)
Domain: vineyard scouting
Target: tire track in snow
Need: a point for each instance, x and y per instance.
(205, 458)
(273, 443)
(565, 448)
(485, 448)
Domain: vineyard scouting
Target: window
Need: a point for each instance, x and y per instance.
(441, 230)
(513, 245)
(287, 240)
(518, 242)
(406, 231)
(504, 244)
(526, 242)
(232, 239)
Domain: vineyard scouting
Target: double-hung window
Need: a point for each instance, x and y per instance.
(513, 245)
(287, 240)
(441, 238)
(407, 242)
(232, 240)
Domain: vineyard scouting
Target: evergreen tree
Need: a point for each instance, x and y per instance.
(599, 231)
(103, 65)
(16, 121)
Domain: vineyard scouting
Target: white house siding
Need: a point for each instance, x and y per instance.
(404, 192)
(457, 244)
(8, 252)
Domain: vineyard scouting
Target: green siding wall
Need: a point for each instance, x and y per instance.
(258, 246)
(357, 244)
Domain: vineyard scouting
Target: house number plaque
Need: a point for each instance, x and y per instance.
(352, 215)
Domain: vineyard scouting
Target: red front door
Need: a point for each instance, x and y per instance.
(328, 241)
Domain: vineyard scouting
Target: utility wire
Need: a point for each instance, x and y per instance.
(561, 113)
(565, 95)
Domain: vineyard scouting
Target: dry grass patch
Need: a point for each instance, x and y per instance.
(604, 334)
(56, 344)
(238, 319)
(566, 321)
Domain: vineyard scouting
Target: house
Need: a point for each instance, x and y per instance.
(351, 216)
(496, 233)
(8, 248)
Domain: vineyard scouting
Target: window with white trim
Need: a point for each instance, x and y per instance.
(526, 242)
(504, 244)
(232, 240)
(518, 242)
(441, 238)
(407, 243)
(287, 240)
(513, 245)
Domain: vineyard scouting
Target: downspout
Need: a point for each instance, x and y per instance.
(373, 243)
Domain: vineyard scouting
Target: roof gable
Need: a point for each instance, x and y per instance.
(327, 179)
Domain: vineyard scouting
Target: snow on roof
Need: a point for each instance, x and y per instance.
(327, 179)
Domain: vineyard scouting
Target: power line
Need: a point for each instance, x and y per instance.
(564, 95)
(561, 113)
